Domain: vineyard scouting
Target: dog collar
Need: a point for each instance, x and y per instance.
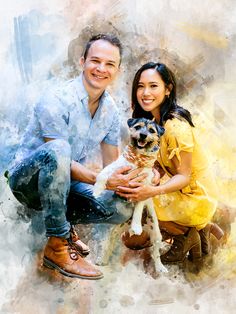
(140, 160)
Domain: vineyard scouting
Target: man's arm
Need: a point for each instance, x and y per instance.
(78, 171)
(82, 174)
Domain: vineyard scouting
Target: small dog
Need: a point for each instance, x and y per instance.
(140, 153)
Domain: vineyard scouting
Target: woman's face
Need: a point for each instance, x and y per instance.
(151, 91)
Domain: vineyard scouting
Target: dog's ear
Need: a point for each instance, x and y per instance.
(160, 130)
(131, 122)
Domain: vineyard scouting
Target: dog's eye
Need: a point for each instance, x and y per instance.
(152, 131)
(137, 127)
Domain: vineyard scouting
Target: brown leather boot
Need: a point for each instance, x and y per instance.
(205, 233)
(181, 246)
(62, 255)
(81, 246)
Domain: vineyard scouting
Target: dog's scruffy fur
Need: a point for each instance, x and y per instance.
(141, 152)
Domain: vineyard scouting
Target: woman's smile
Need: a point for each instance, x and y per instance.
(151, 91)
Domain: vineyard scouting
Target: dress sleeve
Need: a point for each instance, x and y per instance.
(179, 137)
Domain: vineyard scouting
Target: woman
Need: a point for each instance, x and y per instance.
(186, 202)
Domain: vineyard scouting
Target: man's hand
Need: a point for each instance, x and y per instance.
(124, 177)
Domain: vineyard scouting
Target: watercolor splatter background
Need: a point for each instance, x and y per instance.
(41, 42)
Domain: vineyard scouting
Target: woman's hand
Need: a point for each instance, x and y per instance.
(124, 177)
(137, 191)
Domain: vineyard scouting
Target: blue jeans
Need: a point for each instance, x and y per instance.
(42, 182)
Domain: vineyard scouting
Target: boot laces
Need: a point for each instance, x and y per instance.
(72, 250)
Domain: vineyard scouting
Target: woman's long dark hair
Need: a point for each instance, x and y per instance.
(169, 108)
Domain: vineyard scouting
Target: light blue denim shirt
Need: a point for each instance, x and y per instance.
(62, 113)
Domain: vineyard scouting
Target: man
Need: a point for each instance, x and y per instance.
(49, 171)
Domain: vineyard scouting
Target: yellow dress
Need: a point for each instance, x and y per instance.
(195, 204)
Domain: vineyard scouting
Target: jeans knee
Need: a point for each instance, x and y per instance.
(58, 154)
(59, 147)
(121, 210)
(122, 216)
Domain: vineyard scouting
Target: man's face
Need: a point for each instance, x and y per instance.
(101, 65)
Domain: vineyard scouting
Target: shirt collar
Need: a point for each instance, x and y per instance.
(82, 93)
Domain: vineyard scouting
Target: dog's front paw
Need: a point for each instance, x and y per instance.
(98, 189)
(96, 193)
(136, 228)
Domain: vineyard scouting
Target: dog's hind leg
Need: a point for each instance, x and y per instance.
(152, 212)
(136, 223)
(156, 238)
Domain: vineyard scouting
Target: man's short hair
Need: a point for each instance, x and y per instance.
(112, 39)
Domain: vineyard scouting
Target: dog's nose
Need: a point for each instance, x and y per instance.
(143, 136)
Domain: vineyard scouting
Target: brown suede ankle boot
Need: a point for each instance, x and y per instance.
(181, 246)
(205, 233)
(62, 255)
(79, 245)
